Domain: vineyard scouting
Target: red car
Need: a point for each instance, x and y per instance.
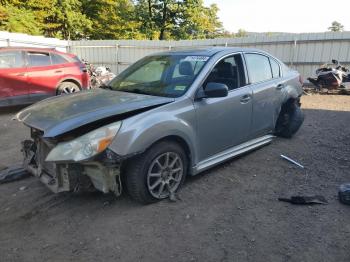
(31, 74)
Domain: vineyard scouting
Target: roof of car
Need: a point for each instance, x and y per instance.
(26, 48)
(210, 51)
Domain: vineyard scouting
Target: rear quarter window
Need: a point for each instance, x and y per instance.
(58, 59)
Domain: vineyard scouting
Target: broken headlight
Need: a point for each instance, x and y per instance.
(85, 146)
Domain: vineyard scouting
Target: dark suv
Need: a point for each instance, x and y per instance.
(31, 74)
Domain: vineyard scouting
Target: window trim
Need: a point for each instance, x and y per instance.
(279, 66)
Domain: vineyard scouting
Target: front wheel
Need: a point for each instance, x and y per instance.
(157, 173)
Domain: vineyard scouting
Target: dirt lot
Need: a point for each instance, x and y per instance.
(229, 213)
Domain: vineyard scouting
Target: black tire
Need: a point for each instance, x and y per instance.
(137, 169)
(67, 88)
(289, 120)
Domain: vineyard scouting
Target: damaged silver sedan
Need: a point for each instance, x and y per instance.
(167, 116)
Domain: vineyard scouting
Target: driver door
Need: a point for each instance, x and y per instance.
(224, 122)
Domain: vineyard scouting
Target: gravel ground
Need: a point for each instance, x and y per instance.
(229, 213)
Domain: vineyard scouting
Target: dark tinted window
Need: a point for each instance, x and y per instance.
(11, 59)
(57, 59)
(228, 71)
(259, 68)
(39, 59)
(275, 68)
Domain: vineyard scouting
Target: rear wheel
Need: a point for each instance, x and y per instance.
(67, 88)
(289, 120)
(157, 173)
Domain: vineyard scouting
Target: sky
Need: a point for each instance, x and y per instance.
(294, 16)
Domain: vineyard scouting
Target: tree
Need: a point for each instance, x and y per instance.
(241, 33)
(19, 20)
(177, 19)
(72, 23)
(112, 19)
(53, 18)
(336, 27)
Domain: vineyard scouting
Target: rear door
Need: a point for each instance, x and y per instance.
(43, 75)
(13, 78)
(264, 78)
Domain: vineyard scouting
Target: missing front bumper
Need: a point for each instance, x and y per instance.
(102, 174)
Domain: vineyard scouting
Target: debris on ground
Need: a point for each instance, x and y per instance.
(13, 173)
(344, 194)
(292, 161)
(173, 197)
(305, 200)
(22, 188)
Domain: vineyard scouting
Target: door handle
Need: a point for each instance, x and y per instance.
(21, 74)
(279, 86)
(58, 71)
(245, 99)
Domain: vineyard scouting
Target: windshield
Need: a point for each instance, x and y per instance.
(164, 75)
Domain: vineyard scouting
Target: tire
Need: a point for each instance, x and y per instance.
(66, 88)
(289, 120)
(142, 173)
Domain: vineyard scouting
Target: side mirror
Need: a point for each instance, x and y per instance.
(213, 90)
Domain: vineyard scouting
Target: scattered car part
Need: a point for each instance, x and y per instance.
(99, 76)
(344, 194)
(13, 173)
(330, 76)
(292, 161)
(167, 116)
(305, 200)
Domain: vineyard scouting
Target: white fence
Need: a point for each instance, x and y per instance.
(305, 52)
(301, 51)
(14, 39)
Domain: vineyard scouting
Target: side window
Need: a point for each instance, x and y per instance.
(228, 71)
(259, 68)
(58, 59)
(11, 59)
(39, 59)
(275, 68)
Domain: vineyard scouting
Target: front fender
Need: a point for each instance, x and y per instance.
(139, 132)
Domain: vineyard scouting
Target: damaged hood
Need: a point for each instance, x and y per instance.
(58, 115)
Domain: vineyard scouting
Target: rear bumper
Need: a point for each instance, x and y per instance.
(102, 174)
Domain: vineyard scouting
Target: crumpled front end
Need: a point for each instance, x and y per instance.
(101, 172)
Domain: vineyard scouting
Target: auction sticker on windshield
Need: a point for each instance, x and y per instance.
(196, 58)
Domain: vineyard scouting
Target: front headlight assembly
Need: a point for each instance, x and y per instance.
(85, 146)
